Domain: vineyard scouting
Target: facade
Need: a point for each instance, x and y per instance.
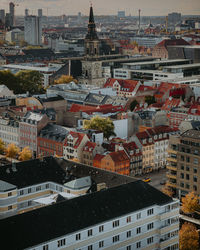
(9, 130)
(50, 140)
(29, 127)
(131, 219)
(73, 146)
(183, 162)
(33, 30)
(12, 14)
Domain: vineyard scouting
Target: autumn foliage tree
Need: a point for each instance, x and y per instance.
(188, 237)
(2, 146)
(104, 125)
(64, 79)
(167, 190)
(25, 154)
(12, 151)
(190, 203)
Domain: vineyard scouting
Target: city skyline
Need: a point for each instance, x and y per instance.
(103, 7)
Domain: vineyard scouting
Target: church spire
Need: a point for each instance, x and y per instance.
(92, 34)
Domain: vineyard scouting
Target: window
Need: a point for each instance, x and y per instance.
(101, 244)
(195, 170)
(196, 161)
(21, 192)
(138, 244)
(195, 188)
(90, 247)
(29, 190)
(89, 232)
(182, 167)
(187, 168)
(138, 230)
(187, 159)
(150, 226)
(128, 219)
(182, 158)
(195, 178)
(187, 186)
(116, 223)
(138, 216)
(61, 243)
(38, 188)
(101, 228)
(78, 236)
(182, 184)
(128, 247)
(45, 247)
(9, 207)
(10, 194)
(150, 240)
(47, 186)
(182, 175)
(149, 211)
(115, 238)
(187, 177)
(128, 234)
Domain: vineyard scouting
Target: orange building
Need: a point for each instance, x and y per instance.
(115, 161)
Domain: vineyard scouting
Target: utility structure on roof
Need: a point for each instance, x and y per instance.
(91, 39)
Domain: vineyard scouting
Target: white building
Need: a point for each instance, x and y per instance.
(33, 30)
(9, 131)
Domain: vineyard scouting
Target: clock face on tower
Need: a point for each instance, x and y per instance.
(96, 66)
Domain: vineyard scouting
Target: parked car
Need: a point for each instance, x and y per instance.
(162, 182)
(147, 179)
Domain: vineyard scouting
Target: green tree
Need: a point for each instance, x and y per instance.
(190, 203)
(188, 237)
(150, 99)
(133, 104)
(31, 81)
(104, 125)
(64, 79)
(10, 80)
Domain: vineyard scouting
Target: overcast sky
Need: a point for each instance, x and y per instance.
(67, 7)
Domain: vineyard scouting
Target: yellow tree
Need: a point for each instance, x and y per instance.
(12, 151)
(2, 146)
(188, 237)
(65, 79)
(25, 154)
(167, 190)
(190, 203)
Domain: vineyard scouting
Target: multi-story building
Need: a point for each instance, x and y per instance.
(29, 127)
(12, 14)
(51, 139)
(135, 157)
(146, 144)
(33, 30)
(183, 162)
(9, 130)
(89, 151)
(128, 216)
(73, 146)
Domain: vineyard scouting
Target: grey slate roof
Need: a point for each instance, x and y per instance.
(5, 186)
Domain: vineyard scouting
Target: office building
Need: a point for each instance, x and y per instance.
(33, 30)
(40, 12)
(12, 14)
(174, 17)
(121, 14)
(26, 12)
(2, 15)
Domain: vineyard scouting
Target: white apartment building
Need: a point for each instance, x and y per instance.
(33, 30)
(129, 216)
(9, 131)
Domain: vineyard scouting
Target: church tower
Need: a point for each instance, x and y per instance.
(91, 39)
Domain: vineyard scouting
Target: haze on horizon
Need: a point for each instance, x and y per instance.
(105, 7)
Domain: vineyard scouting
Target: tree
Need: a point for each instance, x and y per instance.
(133, 104)
(31, 81)
(64, 79)
(10, 80)
(150, 99)
(188, 237)
(12, 151)
(190, 203)
(25, 154)
(2, 146)
(167, 190)
(104, 125)
(23, 43)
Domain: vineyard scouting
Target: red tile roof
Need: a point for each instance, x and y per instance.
(89, 146)
(119, 156)
(98, 157)
(171, 42)
(170, 103)
(78, 136)
(125, 85)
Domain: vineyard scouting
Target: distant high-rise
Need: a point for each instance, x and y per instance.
(2, 15)
(33, 30)
(121, 14)
(12, 14)
(174, 17)
(26, 12)
(40, 12)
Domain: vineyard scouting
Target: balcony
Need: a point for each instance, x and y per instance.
(171, 151)
(170, 167)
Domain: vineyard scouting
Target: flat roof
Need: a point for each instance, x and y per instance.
(158, 62)
(148, 71)
(28, 67)
(183, 66)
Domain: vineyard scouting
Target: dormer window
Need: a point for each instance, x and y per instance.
(150, 139)
(155, 137)
(144, 141)
(160, 136)
(165, 135)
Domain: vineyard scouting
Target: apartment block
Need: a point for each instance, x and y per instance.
(183, 162)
